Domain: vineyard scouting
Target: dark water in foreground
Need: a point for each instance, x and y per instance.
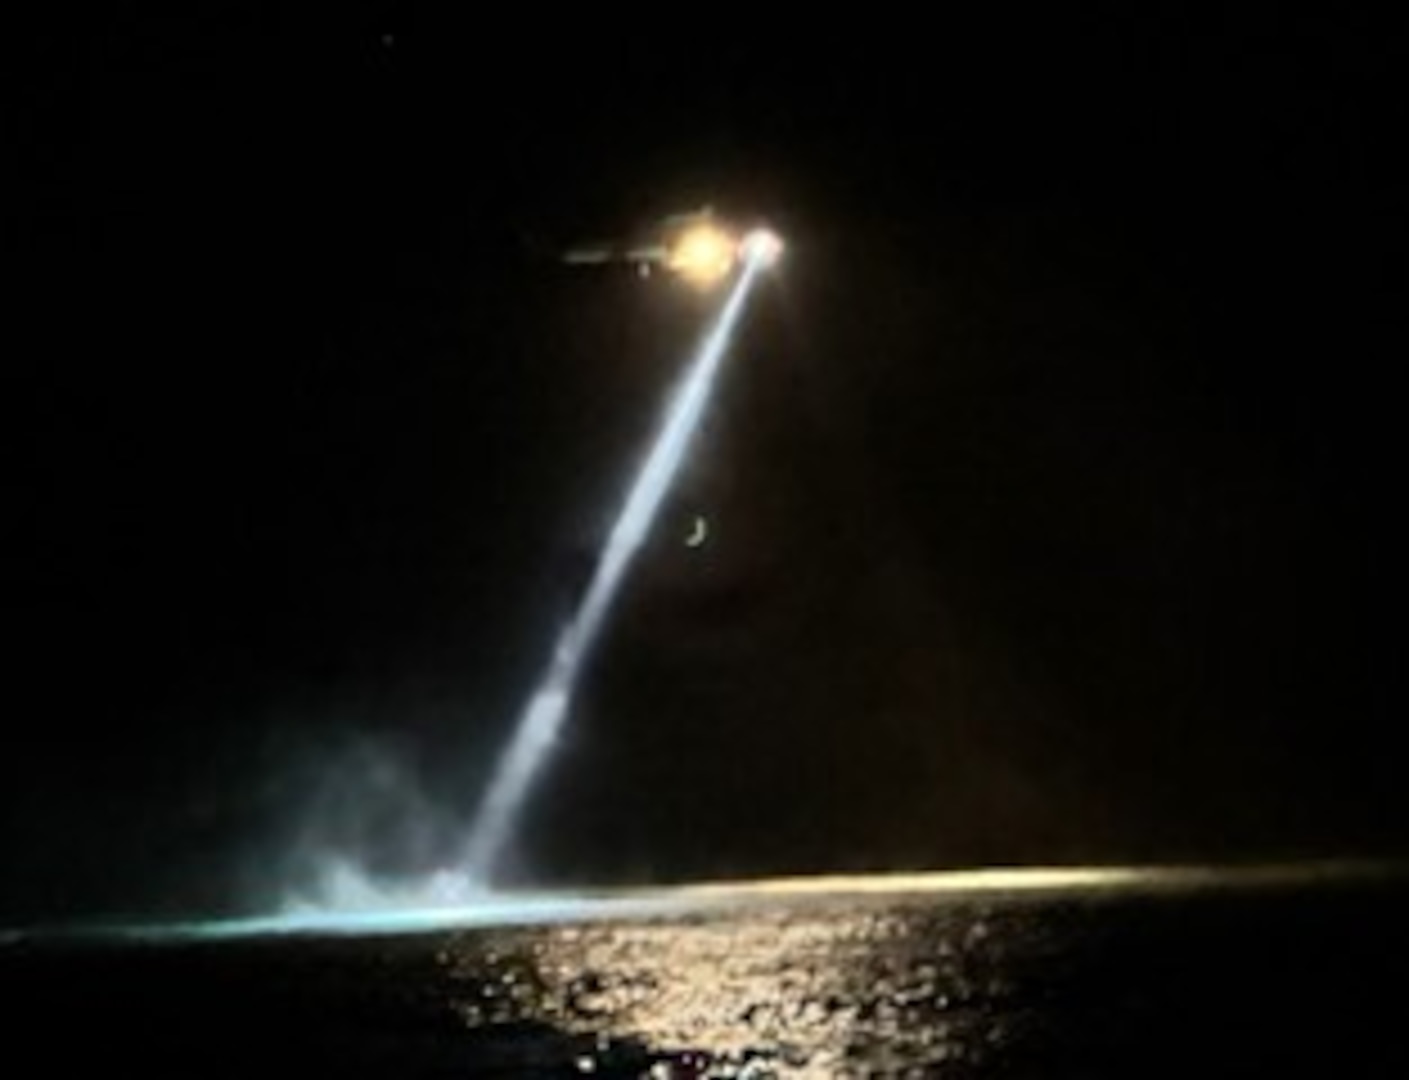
(1223, 982)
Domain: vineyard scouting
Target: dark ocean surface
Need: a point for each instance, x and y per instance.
(1196, 980)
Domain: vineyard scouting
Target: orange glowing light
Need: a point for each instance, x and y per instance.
(703, 255)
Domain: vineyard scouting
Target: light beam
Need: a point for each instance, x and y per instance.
(542, 717)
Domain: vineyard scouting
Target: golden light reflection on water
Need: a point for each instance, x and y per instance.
(807, 992)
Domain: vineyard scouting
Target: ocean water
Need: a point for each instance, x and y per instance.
(1192, 981)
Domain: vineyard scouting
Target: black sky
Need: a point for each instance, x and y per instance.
(1052, 481)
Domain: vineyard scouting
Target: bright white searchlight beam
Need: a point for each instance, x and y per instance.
(543, 715)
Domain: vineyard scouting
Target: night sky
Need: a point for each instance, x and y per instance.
(1050, 481)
